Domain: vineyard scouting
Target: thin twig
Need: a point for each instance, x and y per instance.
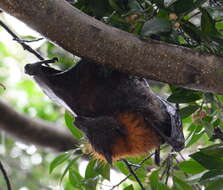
(47, 61)
(181, 156)
(28, 41)
(140, 4)
(133, 173)
(197, 13)
(4, 173)
(169, 163)
(165, 169)
(141, 163)
(21, 42)
(1, 85)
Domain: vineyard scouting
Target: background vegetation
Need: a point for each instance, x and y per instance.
(196, 24)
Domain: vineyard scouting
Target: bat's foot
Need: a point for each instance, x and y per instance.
(32, 69)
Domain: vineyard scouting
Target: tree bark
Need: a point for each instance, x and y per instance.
(35, 131)
(87, 37)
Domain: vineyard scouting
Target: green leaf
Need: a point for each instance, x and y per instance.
(208, 24)
(114, 5)
(207, 161)
(58, 160)
(210, 157)
(71, 162)
(185, 7)
(216, 185)
(187, 111)
(95, 168)
(194, 137)
(163, 14)
(134, 6)
(98, 8)
(159, 3)
(130, 187)
(154, 179)
(154, 182)
(104, 170)
(192, 30)
(69, 120)
(156, 26)
(191, 167)
(75, 178)
(141, 173)
(214, 150)
(211, 176)
(180, 184)
(90, 171)
(182, 6)
(181, 95)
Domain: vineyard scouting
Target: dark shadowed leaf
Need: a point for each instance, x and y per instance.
(191, 167)
(182, 6)
(210, 157)
(134, 6)
(180, 184)
(216, 185)
(207, 23)
(155, 183)
(192, 30)
(159, 3)
(181, 95)
(187, 111)
(156, 26)
(211, 176)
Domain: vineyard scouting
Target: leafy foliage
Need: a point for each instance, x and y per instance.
(196, 24)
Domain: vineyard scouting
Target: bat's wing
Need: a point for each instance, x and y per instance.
(169, 127)
(175, 136)
(57, 85)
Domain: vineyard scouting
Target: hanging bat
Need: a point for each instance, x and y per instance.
(119, 113)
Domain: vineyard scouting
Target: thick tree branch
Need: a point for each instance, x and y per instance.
(34, 131)
(85, 36)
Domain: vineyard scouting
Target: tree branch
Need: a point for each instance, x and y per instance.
(87, 37)
(4, 173)
(34, 131)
